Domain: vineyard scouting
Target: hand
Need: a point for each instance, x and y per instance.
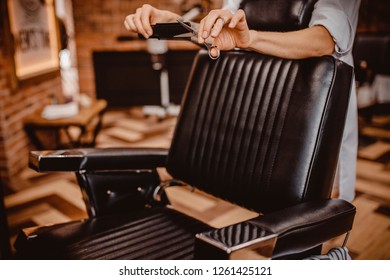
(227, 30)
(144, 17)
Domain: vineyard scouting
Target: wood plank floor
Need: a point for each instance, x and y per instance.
(40, 199)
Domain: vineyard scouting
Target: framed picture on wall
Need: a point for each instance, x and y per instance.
(35, 42)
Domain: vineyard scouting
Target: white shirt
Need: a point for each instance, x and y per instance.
(231, 5)
(339, 17)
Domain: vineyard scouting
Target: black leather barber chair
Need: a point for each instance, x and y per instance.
(259, 131)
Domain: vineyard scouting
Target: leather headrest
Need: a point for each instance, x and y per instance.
(278, 15)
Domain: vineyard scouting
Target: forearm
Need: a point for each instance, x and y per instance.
(310, 42)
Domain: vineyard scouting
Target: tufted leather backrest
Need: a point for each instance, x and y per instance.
(278, 15)
(260, 131)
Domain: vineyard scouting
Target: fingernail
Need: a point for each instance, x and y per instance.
(205, 34)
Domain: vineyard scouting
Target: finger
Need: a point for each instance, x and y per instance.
(215, 21)
(145, 18)
(200, 32)
(217, 27)
(214, 52)
(129, 24)
(132, 25)
(138, 23)
(209, 22)
(238, 17)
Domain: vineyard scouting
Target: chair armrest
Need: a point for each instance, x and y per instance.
(307, 225)
(297, 229)
(239, 241)
(97, 159)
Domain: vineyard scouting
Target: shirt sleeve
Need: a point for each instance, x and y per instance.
(231, 5)
(339, 19)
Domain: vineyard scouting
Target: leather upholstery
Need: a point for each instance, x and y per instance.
(112, 180)
(278, 15)
(260, 131)
(297, 228)
(158, 233)
(307, 224)
(116, 192)
(90, 159)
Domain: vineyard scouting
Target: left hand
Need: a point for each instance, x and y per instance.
(227, 30)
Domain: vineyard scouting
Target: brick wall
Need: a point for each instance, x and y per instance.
(15, 106)
(4, 91)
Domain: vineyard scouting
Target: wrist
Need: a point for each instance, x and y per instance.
(248, 43)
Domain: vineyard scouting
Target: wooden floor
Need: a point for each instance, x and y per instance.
(40, 199)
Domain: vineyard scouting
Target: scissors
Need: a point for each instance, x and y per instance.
(194, 33)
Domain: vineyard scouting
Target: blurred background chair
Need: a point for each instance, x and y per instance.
(372, 59)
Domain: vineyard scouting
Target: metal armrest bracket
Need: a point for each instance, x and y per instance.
(159, 194)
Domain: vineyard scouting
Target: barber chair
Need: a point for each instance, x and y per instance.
(371, 52)
(259, 131)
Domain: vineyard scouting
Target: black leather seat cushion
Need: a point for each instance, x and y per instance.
(151, 234)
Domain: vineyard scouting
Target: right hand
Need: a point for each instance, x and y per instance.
(226, 30)
(146, 16)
